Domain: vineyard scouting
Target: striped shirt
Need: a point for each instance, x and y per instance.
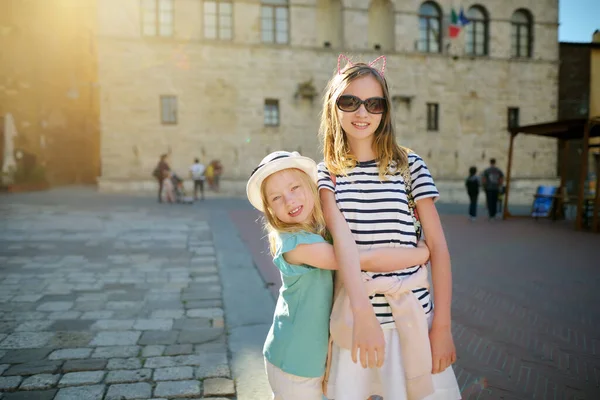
(378, 215)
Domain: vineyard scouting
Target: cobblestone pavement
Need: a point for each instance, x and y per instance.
(526, 305)
(105, 298)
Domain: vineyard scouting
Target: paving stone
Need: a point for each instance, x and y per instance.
(213, 371)
(218, 386)
(173, 374)
(23, 356)
(110, 338)
(205, 313)
(160, 362)
(84, 365)
(124, 363)
(128, 376)
(217, 346)
(66, 354)
(27, 298)
(96, 315)
(34, 326)
(190, 324)
(212, 358)
(153, 324)
(3, 367)
(199, 335)
(158, 337)
(178, 349)
(177, 389)
(116, 352)
(167, 314)
(26, 340)
(34, 368)
(123, 305)
(39, 382)
(70, 325)
(153, 351)
(192, 304)
(8, 326)
(81, 378)
(31, 395)
(55, 306)
(64, 315)
(208, 295)
(71, 339)
(10, 382)
(94, 392)
(129, 391)
(89, 306)
(51, 298)
(112, 325)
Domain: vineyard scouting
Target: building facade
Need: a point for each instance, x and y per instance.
(234, 80)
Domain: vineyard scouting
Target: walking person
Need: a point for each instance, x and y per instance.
(159, 173)
(473, 185)
(197, 174)
(492, 180)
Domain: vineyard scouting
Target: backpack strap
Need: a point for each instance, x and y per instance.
(412, 206)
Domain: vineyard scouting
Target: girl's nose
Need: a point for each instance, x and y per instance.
(362, 111)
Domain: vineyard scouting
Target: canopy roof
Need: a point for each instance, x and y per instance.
(567, 129)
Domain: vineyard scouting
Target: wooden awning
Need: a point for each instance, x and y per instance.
(568, 129)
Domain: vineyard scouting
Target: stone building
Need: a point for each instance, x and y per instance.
(48, 85)
(236, 79)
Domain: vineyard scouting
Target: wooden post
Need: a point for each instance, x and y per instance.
(563, 146)
(582, 176)
(505, 213)
(595, 222)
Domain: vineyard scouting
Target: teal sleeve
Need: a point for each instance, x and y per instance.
(288, 243)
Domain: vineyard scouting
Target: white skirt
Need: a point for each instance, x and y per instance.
(350, 381)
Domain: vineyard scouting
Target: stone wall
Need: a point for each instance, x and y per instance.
(221, 87)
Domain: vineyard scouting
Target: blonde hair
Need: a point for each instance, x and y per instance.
(274, 226)
(336, 150)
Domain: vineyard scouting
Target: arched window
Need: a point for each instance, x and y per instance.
(329, 23)
(477, 31)
(381, 25)
(275, 24)
(522, 34)
(430, 22)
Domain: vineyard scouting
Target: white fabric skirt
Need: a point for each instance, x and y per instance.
(350, 381)
(291, 387)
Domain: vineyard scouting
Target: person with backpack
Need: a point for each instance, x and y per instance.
(492, 180)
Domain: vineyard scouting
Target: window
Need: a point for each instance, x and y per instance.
(218, 19)
(168, 110)
(430, 21)
(271, 112)
(275, 21)
(522, 36)
(513, 117)
(157, 18)
(477, 32)
(433, 110)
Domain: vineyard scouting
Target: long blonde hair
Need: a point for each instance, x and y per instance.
(274, 226)
(336, 150)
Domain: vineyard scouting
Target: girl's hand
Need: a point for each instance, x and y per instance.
(443, 352)
(367, 338)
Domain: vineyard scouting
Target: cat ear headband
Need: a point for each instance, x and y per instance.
(381, 71)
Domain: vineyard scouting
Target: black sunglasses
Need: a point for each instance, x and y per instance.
(349, 103)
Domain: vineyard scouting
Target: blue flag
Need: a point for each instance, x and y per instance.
(462, 18)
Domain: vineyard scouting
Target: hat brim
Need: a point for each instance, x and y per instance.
(255, 182)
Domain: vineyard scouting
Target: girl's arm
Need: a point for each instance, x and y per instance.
(440, 335)
(367, 335)
(322, 255)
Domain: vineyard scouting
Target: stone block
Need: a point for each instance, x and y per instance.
(39, 382)
(81, 378)
(110, 338)
(67, 354)
(218, 387)
(173, 373)
(116, 352)
(177, 389)
(124, 363)
(129, 391)
(84, 365)
(129, 376)
(93, 392)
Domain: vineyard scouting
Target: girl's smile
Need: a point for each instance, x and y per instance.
(288, 196)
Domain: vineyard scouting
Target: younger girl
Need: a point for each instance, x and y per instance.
(369, 189)
(284, 188)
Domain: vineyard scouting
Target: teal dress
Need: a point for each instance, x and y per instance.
(298, 339)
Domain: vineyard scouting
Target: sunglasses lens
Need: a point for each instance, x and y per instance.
(348, 103)
(375, 105)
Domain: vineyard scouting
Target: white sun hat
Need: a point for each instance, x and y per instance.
(275, 162)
